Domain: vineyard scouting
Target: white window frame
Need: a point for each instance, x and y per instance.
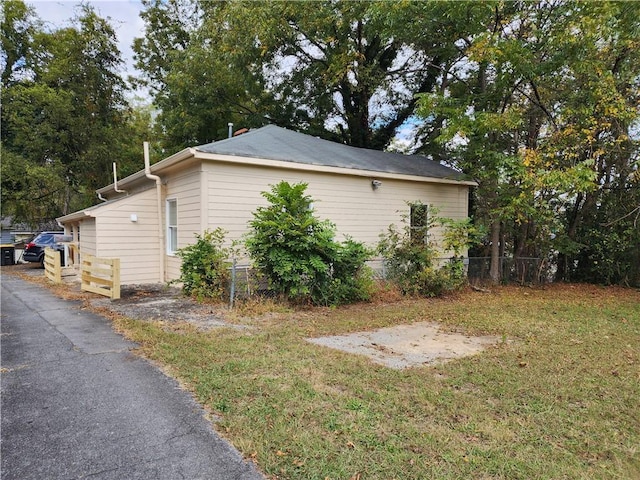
(172, 227)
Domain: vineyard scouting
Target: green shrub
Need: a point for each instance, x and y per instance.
(204, 273)
(432, 282)
(410, 257)
(351, 279)
(298, 254)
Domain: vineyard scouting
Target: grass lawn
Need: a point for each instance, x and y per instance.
(559, 397)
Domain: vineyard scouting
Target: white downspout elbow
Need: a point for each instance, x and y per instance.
(156, 178)
(115, 180)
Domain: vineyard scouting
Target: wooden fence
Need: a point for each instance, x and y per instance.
(101, 276)
(52, 265)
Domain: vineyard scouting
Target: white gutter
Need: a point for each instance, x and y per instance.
(147, 172)
(135, 178)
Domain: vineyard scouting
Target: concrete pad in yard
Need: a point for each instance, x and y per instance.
(408, 345)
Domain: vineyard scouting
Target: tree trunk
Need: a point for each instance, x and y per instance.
(494, 270)
(67, 199)
(583, 203)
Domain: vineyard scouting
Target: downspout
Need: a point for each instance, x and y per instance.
(147, 172)
(115, 180)
(66, 249)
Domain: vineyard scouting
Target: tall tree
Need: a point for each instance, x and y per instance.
(64, 115)
(332, 69)
(538, 117)
(18, 27)
(603, 99)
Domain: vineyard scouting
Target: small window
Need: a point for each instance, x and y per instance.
(419, 223)
(172, 226)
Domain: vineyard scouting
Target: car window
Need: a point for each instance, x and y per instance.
(44, 238)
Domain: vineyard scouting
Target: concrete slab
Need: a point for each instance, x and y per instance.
(406, 346)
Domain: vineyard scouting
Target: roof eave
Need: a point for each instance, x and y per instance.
(265, 162)
(73, 217)
(156, 168)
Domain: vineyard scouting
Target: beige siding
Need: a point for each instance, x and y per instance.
(88, 236)
(135, 243)
(348, 201)
(184, 185)
(215, 194)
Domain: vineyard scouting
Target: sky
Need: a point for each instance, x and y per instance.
(123, 15)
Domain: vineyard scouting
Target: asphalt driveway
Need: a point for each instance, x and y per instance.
(76, 403)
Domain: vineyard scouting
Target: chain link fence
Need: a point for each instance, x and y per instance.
(519, 270)
(246, 281)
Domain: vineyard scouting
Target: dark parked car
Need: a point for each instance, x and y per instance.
(34, 250)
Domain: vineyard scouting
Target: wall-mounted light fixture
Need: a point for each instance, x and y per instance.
(133, 217)
(375, 184)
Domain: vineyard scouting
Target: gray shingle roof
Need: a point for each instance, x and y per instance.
(276, 143)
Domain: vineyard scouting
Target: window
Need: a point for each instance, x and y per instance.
(172, 226)
(419, 223)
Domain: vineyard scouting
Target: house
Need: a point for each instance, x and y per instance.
(12, 232)
(13, 237)
(147, 216)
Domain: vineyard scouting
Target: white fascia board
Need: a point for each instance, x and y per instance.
(75, 216)
(326, 169)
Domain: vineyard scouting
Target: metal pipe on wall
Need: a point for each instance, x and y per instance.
(115, 180)
(147, 172)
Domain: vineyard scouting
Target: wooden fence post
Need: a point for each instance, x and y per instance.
(115, 278)
(101, 276)
(52, 265)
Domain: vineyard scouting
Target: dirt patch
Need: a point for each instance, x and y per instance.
(161, 303)
(406, 346)
(397, 347)
(151, 302)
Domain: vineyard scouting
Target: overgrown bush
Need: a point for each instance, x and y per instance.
(433, 282)
(410, 256)
(204, 273)
(298, 254)
(351, 279)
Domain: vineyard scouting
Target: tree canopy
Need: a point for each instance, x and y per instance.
(537, 101)
(65, 118)
(548, 125)
(340, 70)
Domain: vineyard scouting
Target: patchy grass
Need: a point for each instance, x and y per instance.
(557, 399)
